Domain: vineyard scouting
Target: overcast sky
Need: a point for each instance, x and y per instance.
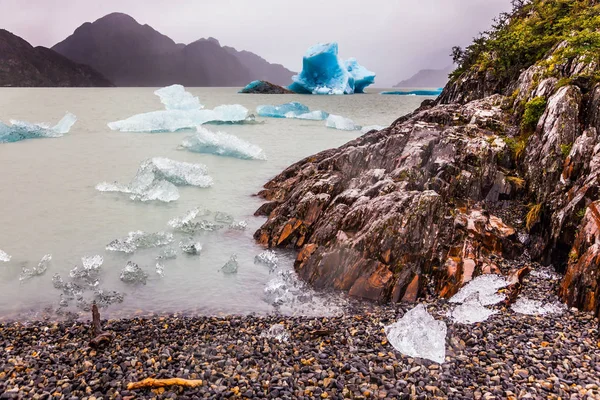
(394, 38)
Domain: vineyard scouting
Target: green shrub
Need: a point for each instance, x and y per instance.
(565, 149)
(533, 111)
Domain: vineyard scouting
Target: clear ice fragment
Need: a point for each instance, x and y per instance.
(534, 307)
(140, 240)
(222, 144)
(231, 266)
(160, 269)
(277, 332)
(4, 257)
(418, 334)
(486, 286)
(167, 254)
(341, 123)
(268, 258)
(471, 311)
(36, 271)
(133, 274)
(223, 218)
(239, 226)
(191, 247)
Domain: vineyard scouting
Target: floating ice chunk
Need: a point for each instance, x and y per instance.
(140, 240)
(179, 222)
(57, 281)
(160, 269)
(268, 258)
(222, 144)
(223, 217)
(486, 286)
(4, 257)
(167, 254)
(535, 307)
(36, 271)
(177, 120)
(156, 179)
(317, 115)
(341, 123)
(191, 247)
(367, 129)
(362, 76)
(432, 93)
(323, 72)
(133, 274)
(277, 332)
(283, 110)
(239, 226)
(418, 334)
(175, 97)
(231, 266)
(21, 130)
(471, 311)
(89, 270)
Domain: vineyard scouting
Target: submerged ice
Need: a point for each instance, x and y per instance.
(21, 130)
(324, 72)
(156, 179)
(222, 144)
(140, 240)
(182, 111)
(40, 269)
(418, 334)
(231, 266)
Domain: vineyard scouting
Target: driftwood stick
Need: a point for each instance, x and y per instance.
(158, 383)
(99, 337)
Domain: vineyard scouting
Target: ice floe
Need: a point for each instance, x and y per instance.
(21, 130)
(418, 334)
(175, 97)
(222, 144)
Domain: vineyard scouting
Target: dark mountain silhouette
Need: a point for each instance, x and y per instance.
(21, 64)
(261, 69)
(131, 54)
(427, 78)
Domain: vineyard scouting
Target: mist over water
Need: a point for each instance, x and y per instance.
(50, 205)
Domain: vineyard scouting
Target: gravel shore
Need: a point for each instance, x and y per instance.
(508, 356)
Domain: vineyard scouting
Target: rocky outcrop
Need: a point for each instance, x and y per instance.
(264, 87)
(445, 192)
(24, 65)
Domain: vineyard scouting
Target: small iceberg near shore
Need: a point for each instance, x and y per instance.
(418, 334)
(341, 123)
(282, 111)
(222, 144)
(324, 72)
(156, 179)
(21, 130)
(435, 92)
(182, 111)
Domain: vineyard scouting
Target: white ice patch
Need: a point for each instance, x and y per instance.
(4, 257)
(277, 332)
(486, 286)
(471, 312)
(535, 307)
(418, 334)
(222, 144)
(175, 97)
(268, 258)
(341, 123)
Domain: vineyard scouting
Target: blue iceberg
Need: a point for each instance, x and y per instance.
(283, 110)
(324, 72)
(21, 130)
(434, 92)
(362, 76)
(222, 144)
(183, 111)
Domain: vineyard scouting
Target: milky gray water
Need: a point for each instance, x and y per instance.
(49, 204)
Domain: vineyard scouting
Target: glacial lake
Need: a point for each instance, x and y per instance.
(49, 204)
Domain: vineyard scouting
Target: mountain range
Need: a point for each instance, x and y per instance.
(427, 78)
(118, 49)
(21, 64)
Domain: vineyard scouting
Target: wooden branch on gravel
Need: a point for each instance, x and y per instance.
(99, 337)
(158, 383)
